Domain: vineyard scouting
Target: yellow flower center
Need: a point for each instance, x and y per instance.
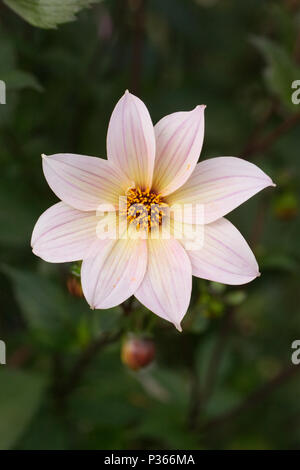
(144, 208)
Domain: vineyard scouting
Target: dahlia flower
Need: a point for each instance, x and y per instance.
(152, 169)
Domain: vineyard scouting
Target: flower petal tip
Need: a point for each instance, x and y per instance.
(270, 183)
(178, 327)
(43, 155)
(127, 94)
(200, 107)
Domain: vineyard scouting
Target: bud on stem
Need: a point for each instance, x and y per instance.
(137, 352)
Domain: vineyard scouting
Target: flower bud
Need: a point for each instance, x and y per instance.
(137, 352)
(74, 286)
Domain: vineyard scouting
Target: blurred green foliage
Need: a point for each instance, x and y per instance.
(48, 13)
(237, 57)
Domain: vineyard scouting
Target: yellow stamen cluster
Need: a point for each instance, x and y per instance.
(144, 208)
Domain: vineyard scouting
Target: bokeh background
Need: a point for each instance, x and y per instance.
(227, 381)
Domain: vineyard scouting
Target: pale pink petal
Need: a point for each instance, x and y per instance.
(131, 140)
(221, 184)
(114, 273)
(179, 139)
(63, 234)
(225, 255)
(166, 288)
(84, 182)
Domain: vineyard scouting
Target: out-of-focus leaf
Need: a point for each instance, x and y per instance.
(174, 385)
(8, 56)
(203, 358)
(199, 322)
(41, 300)
(17, 215)
(18, 79)
(55, 317)
(45, 431)
(20, 396)
(14, 78)
(286, 26)
(48, 13)
(281, 69)
(221, 401)
(281, 261)
(235, 297)
(171, 432)
(107, 320)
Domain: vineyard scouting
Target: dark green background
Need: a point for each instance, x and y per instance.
(239, 58)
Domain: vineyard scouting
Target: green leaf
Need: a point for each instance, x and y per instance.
(48, 13)
(18, 80)
(18, 206)
(203, 357)
(20, 397)
(41, 300)
(235, 297)
(281, 69)
(75, 269)
(11, 74)
(280, 261)
(54, 317)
